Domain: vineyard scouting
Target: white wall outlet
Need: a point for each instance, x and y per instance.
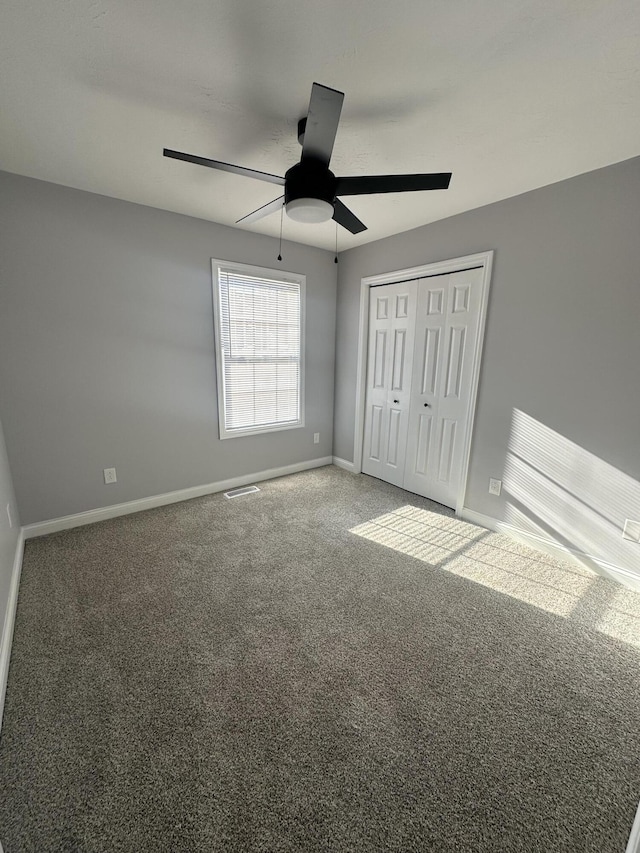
(110, 475)
(9, 515)
(631, 530)
(316, 438)
(495, 486)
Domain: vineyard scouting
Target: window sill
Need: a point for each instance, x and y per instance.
(244, 433)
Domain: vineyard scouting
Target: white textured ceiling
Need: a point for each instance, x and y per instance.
(509, 95)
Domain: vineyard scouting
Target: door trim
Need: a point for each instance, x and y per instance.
(481, 259)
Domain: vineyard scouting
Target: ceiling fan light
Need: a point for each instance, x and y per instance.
(309, 210)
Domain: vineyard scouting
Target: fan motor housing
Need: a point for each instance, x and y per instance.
(310, 179)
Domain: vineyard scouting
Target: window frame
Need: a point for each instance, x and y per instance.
(286, 277)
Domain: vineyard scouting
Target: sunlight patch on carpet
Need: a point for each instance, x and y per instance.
(464, 549)
(505, 565)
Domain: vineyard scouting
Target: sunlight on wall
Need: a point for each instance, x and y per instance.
(562, 492)
(557, 489)
(509, 567)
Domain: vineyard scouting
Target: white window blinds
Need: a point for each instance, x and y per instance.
(259, 347)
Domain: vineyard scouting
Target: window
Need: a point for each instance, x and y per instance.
(258, 324)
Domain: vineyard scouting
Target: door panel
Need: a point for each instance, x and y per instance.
(435, 300)
(399, 359)
(375, 445)
(446, 450)
(382, 308)
(394, 450)
(430, 361)
(460, 298)
(447, 326)
(379, 359)
(392, 310)
(425, 423)
(454, 361)
(402, 306)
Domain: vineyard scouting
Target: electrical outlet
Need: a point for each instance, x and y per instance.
(495, 486)
(9, 515)
(316, 438)
(631, 530)
(110, 475)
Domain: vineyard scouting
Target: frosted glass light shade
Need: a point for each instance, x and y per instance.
(309, 210)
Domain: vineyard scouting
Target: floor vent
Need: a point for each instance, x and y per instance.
(245, 490)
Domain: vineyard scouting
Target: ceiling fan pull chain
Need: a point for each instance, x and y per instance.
(281, 215)
(335, 260)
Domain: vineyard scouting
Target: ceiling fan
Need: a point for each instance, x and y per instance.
(311, 189)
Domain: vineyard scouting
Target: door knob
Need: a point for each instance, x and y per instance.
(396, 401)
(426, 405)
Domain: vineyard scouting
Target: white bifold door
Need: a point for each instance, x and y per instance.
(392, 312)
(422, 343)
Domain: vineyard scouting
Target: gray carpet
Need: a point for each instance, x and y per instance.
(330, 664)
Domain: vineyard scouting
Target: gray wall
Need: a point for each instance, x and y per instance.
(107, 349)
(8, 535)
(562, 347)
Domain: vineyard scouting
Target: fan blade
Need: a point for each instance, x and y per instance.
(343, 216)
(265, 210)
(322, 123)
(392, 183)
(225, 167)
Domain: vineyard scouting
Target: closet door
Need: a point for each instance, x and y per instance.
(392, 311)
(447, 326)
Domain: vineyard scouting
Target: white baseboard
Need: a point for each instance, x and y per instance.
(42, 528)
(634, 838)
(342, 463)
(9, 620)
(554, 549)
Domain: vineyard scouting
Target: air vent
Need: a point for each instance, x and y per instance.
(237, 493)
